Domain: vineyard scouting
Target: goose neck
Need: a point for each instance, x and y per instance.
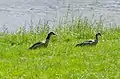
(96, 37)
(48, 37)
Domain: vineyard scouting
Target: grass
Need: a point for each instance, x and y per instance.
(61, 59)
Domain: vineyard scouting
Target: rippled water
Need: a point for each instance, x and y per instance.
(16, 13)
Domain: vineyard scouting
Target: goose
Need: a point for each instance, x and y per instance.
(90, 42)
(42, 44)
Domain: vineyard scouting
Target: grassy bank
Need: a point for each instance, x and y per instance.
(61, 59)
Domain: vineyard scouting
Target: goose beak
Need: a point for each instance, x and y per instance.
(54, 34)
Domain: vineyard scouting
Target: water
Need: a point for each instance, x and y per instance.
(17, 13)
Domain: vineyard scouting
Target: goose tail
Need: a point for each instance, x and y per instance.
(81, 44)
(30, 47)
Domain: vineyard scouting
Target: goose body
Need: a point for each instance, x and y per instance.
(90, 42)
(42, 44)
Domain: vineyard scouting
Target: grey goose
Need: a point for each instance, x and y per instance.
(42, 44)
(90, 42)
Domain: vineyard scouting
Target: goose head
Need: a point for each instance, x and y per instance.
(51, 33)
(98, 34)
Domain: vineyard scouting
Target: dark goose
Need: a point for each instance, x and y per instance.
(90, 42)
(41, 44)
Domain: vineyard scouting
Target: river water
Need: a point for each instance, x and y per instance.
(17, 13)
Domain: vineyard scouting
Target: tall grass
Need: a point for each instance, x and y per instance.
(61, 59)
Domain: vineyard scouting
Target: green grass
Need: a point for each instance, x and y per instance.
(61, 59)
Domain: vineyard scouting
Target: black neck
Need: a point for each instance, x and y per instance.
(48, 37)
(96, 36)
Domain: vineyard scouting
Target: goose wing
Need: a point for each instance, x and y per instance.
(86, 43)
(36, 45)
(89, 42)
